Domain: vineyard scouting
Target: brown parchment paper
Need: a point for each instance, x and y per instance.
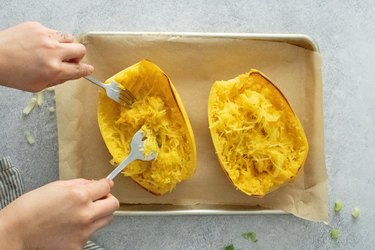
(193, 64)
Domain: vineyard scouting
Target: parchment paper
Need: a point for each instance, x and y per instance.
(193, 64)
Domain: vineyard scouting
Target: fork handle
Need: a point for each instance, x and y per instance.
(96, 81)
(120, 167)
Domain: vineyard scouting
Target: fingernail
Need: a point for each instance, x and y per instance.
(111, 183)
(90, 68)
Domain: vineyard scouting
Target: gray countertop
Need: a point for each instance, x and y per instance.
(344, 31)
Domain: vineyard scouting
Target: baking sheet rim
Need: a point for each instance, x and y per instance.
(277, 37)
(216, 211)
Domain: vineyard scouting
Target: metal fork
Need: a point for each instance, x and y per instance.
(113, 91)
(136, 153)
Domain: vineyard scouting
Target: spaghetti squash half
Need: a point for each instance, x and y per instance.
(258, 139)
(159, 111)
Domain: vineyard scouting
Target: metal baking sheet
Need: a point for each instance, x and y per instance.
(300, 40)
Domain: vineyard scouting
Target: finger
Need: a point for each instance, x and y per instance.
(98, 189)
(102, 222)
(111, 183)
(71, 71)
(105, 206)
(62, 37)
(79, 181)
(73, 52)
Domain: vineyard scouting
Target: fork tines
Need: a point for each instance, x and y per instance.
(127, 97)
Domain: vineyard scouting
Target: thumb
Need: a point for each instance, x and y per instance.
(98, 189)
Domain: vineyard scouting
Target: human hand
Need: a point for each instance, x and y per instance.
(33, 57)
(59, 215)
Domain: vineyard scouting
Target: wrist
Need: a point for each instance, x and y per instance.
(9, 235)
(4, 58)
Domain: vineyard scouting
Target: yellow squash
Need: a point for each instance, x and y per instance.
(258, 138)
(161, 114)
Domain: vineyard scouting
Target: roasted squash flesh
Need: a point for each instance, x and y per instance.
(160, 112)
(258, 138)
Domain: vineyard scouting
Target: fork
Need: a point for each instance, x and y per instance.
(136, 153)
(114, 92)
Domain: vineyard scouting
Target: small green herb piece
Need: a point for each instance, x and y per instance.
(355, 212)
(250, 236)
(51, 109)
(40, 98)
(29, 137)
(338, 205)
(335, 233)
(30, 106)
(229, 247)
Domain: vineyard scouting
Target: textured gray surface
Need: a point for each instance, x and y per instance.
(345, 33)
